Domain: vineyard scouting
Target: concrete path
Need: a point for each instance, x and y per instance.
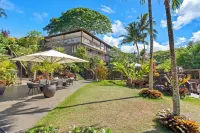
(20, 111)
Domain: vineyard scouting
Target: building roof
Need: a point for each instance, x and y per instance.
(78, 30)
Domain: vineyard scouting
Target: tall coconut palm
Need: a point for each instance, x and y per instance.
(176, 96)
(133, 35)
(145, 30)
(3, 13)
(151, 42)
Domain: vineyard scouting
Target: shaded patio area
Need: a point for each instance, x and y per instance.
(20, 110)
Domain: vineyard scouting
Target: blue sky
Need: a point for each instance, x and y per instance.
(26, 15)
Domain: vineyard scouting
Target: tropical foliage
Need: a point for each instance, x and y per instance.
(133, 35)
(101, 71)
(127, 69)
(46, 67)
(94, 61)
(166, 65)
(153, 94)
(178, 124)
(3, 44)
(77, 18)
(7, 71)
(81, 52)
(42, 129)
(189, 57)
(116, 55)
(3, 13)
(60, 49)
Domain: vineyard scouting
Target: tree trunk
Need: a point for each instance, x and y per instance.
(138, 52)
(174, 82)
(143, 56)
(151, 46)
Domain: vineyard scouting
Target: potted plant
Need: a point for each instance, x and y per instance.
(2, 86)
(46, 68)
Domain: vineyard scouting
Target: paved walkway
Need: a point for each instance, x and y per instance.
(20, 111)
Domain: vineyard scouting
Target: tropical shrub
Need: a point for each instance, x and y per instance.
(73, 67)
(175, 123)
(48, 129)
(183, 92)
(128, 70)
(7, 71)
(60, 49)
(166, 65)
(153, 94)
(81, 52)
(89, 130)
(46, 67)
(101, 71)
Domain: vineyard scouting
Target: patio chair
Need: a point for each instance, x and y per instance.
(32, 86)
(42, 82)
(70, 81)
(60, 83)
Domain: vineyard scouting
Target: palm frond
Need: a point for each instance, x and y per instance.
(176, 4)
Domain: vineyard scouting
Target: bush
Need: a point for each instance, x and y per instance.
(177, 124)
(48, 129)
(89, 130)
(101, 71)
(153, 94)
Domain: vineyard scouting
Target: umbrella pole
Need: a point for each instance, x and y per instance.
(21, 73)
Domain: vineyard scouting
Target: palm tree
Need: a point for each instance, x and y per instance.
(3, 13)
(133, 35)
(151, 42)
(145, 30)
(176, 96)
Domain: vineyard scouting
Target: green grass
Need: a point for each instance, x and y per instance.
(108, 104)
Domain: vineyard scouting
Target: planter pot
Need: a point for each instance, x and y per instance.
(2, 88)
(49, 90)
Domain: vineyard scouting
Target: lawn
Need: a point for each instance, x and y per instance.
(109, 104)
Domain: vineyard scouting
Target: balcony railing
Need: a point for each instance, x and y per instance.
(72, 40)
(93, 44)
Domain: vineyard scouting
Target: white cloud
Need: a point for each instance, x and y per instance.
(133, 10)
(195, 37)
(40, 16)
(128, 49)
(180, 41)
(118, 28)
(130, 17)
(156, 47)
(163, 23)
(159, 47)
(106, 9)
(7, 5)
(112, 41)
(189, 11)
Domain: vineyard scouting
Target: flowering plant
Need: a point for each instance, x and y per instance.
(178, 124)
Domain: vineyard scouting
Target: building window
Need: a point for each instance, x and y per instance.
(74, 48)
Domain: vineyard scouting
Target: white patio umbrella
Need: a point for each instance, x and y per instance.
(52, 56)
(137, 65)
